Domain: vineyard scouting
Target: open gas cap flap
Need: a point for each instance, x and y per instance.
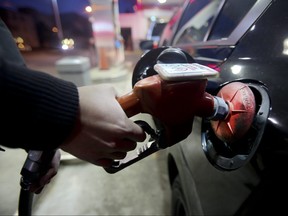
(233, 155)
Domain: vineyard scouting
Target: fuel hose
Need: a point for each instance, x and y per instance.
(25, 203)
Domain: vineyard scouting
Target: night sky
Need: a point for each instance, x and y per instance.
(126, 6)
(78, 6)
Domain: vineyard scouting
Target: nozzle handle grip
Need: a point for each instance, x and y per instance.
(130, 103)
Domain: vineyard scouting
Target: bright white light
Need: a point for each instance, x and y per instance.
(88, 9)
(162, 1)
(153, 18)
(285, 47)
(65, 47)
(245, 58)
(67, 43)
(253, 28)
(273, 120)
(236, 69)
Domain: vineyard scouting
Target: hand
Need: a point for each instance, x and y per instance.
(103, 132)
(46, 177)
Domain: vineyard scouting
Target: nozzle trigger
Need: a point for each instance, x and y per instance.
(147, 149)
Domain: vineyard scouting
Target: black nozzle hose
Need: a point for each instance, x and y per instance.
(25, 203)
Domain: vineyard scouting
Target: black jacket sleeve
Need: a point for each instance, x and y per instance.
(38, 111)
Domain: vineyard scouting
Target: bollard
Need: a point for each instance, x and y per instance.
(74, 69)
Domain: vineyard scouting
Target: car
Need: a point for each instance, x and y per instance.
(165, 34)
(244, 41)
(154, 32)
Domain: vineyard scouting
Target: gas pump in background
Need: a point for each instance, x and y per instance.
(173, 89)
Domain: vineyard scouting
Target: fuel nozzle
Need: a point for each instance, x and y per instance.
(171, 87)
(173, 96)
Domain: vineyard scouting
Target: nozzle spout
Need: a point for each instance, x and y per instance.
(221, 109)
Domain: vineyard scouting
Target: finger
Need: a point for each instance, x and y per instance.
(104, 162)
(56, 160)
(35, 187)
(118, 155)
(39, 190)
(38, 186)
(48, 176)
(124, 145)
(137, 133)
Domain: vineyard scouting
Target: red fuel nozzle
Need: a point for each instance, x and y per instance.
(170, 86)
(170, 102)
(174, 104)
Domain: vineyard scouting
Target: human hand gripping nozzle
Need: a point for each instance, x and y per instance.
(174, 93)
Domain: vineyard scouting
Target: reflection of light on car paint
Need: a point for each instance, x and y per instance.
(285, 47)
(214, 66)
(236, 69)
(253, 28)
(245, 58)
(273, 120)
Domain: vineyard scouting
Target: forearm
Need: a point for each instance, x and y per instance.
(38, 110)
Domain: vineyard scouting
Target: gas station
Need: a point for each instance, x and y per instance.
(178, 94)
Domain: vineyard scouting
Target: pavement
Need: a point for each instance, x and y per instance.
(80, 188)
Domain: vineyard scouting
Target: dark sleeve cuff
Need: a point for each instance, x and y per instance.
(38, 111)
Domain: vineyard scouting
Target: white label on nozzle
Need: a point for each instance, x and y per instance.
(182, 72)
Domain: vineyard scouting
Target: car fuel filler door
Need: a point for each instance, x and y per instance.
(228, 144)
